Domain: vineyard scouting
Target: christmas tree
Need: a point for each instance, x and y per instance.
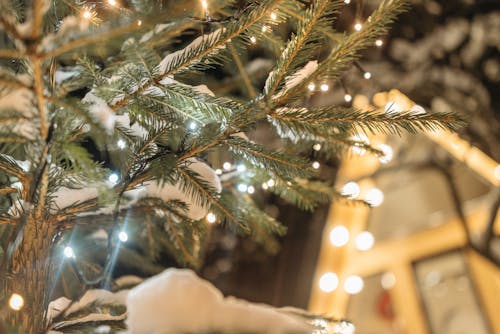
(117, 116)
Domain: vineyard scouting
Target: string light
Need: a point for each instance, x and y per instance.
(241, 168)
(242, 187)
(112, 3)
(274, 16)
(253, 39)
(218, 171)
(379, 42)
(324, 87)
(387, 153)
(348, 98)
(364, 241)
(317, 147)
(311, 86)
(353, 284)
(358, 26)
(251, 189)
(367, 75)
(211, 218)
(16, 302)
(316, 165)
(123, 236)
(496, 172)
(226, 165)
(350, 189)
(264, 28)
(204, 4)
(87, 14)
(68, 252)
(265, 186)
(270, 183)
(139, 23)
(339, 236)
(374, 197)
(193, 125)
(347, 2)
(121, 144)
(328, 282)
(113, 178)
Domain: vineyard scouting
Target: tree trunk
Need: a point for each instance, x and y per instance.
(28, 274)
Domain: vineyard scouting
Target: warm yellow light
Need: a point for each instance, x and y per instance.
(374, 197)
(113, 2)
(218, 171)
(328, 282)
(211, 218)
(253, 39)
(347, 2)
(367, 75)
(324, 87)
(364, 241)
(139, 23)
(264, 28)
(311, 86)
(350, 189)
(316, 165)
(16, 302)
(317, 147)
(353, 284)
(87, 14)
(274, 16)
(348, 97)
(204, 4)
(358, 26)
(339, 236)
(379, 42)
(496, 172)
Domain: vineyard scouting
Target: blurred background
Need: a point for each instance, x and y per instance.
(426, 260)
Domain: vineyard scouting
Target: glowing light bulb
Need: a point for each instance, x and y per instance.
(112, 2)
(328, 282)
(350, 189)
(253, 39)
(324, 87)
(121, 144)
(388, 280)
(241, 168)
(264, 28)
(113, 178)
(211, 218)
(339, 236)
(274, 16)
(193, 126)
(123, 236)
(265, 186)
(379, 42)
(242, 187)
(353, 284)
(311, 86)
(358, 26)
(347, 2)
(87, 14)
(68, 252)
(347, 97)
(317, 147)
(270, 183)
(374, 197)
(367, 75)
(251, 189)
(364, 241)
(387, 153)
(204, 4)
(139, 23)
(218, 171)
(16, 302)
(316, 165)
(227, 165)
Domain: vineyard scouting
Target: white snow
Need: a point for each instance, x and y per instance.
(136, 129)
(69, 25)
(172, 57)
(178, 301)
(65, 197)
(100, 111)
(297, 77)
(60, 76)
(169, 192)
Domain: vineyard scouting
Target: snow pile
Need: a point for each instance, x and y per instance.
(100, 111)
(178, 301)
